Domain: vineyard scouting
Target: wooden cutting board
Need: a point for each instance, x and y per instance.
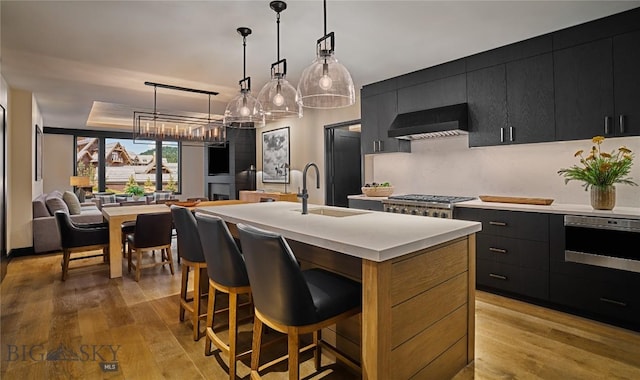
(522, 200)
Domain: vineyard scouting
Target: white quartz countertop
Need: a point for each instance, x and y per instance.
(365, 198)
(556, 208)
(370, 235)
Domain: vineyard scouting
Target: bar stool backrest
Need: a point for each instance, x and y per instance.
(189, 246)
(225, 264)
(279, 289)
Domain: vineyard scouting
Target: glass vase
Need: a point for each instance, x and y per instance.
(603, 197)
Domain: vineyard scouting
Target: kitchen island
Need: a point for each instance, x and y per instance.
(417, 276)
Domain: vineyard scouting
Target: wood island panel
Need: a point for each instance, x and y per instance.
(418, 313)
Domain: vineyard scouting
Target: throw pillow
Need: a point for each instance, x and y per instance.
(73, 203)
(162, 196)
(55, 203)
(106, 198)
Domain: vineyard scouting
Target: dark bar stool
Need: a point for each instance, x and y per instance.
(190, 250)
(153, 232)
(291, 300)
(227, 274)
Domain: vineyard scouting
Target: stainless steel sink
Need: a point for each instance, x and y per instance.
(333, 212)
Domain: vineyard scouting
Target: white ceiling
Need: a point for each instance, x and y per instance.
(71, 54)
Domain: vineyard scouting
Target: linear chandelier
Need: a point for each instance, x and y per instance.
(169, 127)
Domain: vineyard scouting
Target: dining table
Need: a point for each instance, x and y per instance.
(115, 216)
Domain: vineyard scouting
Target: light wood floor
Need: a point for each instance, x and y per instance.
(89, 315)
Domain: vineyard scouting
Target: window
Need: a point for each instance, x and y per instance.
(125, 161)
(87, 159)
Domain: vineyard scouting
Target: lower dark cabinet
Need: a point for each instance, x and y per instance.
(364, 204)
(513, 279)
(610, 301)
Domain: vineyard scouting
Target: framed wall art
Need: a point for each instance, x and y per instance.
(275, 156)
(38, 157)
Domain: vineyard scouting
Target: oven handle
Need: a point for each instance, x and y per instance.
(602, 261)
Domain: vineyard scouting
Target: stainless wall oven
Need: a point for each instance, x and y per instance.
(603, 241)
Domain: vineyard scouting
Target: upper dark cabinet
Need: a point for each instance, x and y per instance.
(584, 90)
(512, 103)
(597, 88)
(377, 114)
(626, 84)
(433, 94)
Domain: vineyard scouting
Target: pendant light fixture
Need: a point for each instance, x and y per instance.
(244, 110)
(278, 97)
(326, 83)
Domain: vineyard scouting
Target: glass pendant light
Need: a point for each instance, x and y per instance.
(326, 83)
(244, 110)
(278, 97)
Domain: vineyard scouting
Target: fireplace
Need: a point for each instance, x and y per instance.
(219, 191)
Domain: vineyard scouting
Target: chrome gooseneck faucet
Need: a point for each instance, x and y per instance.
(305, 194)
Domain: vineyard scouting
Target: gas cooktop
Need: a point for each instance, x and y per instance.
(430, 198)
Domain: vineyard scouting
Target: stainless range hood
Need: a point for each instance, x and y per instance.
(431, 123)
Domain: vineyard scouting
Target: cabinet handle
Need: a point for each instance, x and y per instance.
(498, 276)
(607, 123)
(375, 146)
(501, 224)
(621, 123)
(511, 134)
(614, 302)
(497, 250)
(380, 146)
(501, 134)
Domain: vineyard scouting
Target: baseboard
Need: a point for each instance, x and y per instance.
(4, 263)
(5, 259)
(25, 251)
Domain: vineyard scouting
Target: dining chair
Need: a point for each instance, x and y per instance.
(227, 274)
(129, 226)
(76, 237)
(190, 250)
(291, 300)
(152, 232)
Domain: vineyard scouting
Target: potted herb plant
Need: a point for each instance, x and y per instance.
(600, 171)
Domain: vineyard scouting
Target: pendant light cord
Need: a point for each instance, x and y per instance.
(244, 57)
(325, 17)
(278, 35)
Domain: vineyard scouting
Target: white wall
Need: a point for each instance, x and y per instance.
(307, 145)
(447, 166)
(58, 156)
(22, 187)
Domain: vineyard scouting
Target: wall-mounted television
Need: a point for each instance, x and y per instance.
(218, 159)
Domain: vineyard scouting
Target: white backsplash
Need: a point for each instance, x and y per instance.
(447, 166)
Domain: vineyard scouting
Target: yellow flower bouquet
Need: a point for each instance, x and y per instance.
(601, 169)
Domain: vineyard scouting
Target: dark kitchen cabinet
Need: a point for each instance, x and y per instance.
(512, 103)
(512, 251)
(437, 93)
(377, 113)
(583, 90)
(366, 204)
(626, 84)
(597, 88)
(603, 293)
